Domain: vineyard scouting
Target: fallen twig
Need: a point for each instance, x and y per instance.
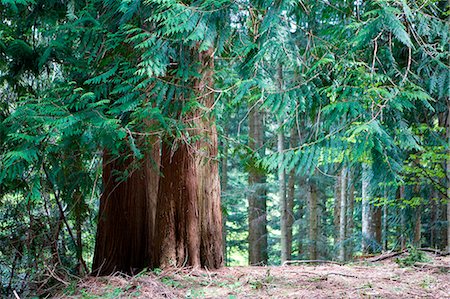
(342, 274)
(286, 263)
(435, 251)
(427, 265)
(386, 256)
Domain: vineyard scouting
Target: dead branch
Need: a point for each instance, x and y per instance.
(286, 263)
(386, 256)
(435, 251)
(432, 266)
(341, 274)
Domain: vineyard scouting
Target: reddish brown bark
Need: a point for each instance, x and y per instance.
(189, 214)
(177, 240)
(123, 231)
(208, 167)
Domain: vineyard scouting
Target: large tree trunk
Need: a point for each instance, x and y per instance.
(152, 173)
(257, 210)
(178, 239)
(123, 232)
(210, 209)
(211, 243)
(313, 219)
(189, 191)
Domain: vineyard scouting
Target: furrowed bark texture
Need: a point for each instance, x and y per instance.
(123, 233)
(152, 174)
(178, 236)
(211, 253)
(189, 214)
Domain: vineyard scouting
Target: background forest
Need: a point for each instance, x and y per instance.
(332, 120)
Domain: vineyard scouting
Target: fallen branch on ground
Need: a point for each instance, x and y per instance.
(386, 256)
(435, 251)
(438, 266)
(323, 275)
(286, 263)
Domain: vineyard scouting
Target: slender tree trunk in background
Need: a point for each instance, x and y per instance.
(402, 220)
(78, 210)
(285, 242)
(295, 140)
(223, 186)
(343, 213)
(285, 250)
(290, 198)
(448, 173)
(385, 222)
(313, 219)
(350, 223)
(366, 213)
(257, 210)
(376, 233)
(122, 232)
(290, 212)
(301, 212)
(189, 190)
(337, 208)
(403, 235)
(434, 218)
(418, 226)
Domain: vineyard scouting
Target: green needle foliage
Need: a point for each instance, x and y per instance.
(353, 82)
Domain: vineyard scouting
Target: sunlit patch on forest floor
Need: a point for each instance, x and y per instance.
(364, 279)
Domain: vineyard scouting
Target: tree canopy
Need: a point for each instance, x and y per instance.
(345, 83)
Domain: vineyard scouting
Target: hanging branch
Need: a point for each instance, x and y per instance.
(61, 212)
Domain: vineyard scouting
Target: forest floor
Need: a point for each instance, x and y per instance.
(363, 279)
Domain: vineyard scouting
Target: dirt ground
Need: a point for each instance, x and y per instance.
(364, 279)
